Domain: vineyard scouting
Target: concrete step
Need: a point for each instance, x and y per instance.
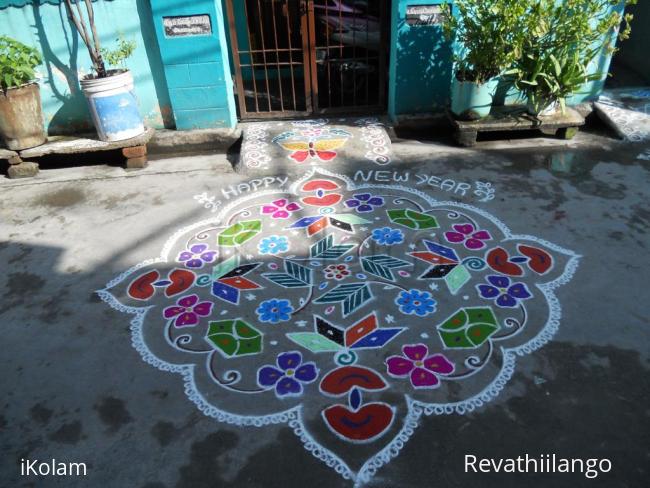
(287, 146)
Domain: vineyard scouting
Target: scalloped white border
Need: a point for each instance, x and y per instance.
(293, 417)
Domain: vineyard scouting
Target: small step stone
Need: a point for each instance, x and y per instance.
(25, 169)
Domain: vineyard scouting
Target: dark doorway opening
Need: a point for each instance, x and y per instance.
(301, 57)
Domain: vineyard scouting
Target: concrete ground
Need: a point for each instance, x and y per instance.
(74, 389)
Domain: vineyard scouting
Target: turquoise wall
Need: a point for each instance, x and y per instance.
(420, 70)
(197, 68)
(419, 66)
(46, 26)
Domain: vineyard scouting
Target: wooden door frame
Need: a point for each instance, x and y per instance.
(244, 114)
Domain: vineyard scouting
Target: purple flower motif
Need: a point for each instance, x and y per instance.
(290, 375)
(468, 235)
(506, 294)
(197, 256)
(422, 367)
(364, 202)
(187, 311)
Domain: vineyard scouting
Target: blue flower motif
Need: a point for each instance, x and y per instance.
(364, 202)
(416, 302)
(273, 245)
(274, 311)
(290, 375)
(507, 295)
(388, 236)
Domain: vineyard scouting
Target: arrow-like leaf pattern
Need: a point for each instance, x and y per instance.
(327, 250)
(352, 295)
(382, 265)
(296, 276)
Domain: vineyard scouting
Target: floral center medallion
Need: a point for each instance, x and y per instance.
(351, 309)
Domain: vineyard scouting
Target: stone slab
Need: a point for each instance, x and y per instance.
(627, 112)
(7, 153)
(22, 170)
(275, 145)
(83, 144)
(507, 118)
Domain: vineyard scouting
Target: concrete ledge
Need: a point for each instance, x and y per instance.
(178, 141)
(82, 144)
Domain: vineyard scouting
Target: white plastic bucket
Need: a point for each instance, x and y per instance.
(113, 106)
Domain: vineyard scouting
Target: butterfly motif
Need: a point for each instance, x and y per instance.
(322, 149)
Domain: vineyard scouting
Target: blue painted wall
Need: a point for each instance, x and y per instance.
(197, 67)
(46, 26)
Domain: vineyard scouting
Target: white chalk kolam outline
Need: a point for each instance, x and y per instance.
(293, 416)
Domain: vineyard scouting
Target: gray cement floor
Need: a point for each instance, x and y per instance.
(74, 389)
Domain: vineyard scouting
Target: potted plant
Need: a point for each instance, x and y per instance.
(562, 42)
(21, 115)
(489, 36)
(111, 99)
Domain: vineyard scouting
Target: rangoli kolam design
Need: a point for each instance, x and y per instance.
(345, 311)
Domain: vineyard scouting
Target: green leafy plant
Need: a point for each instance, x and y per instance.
(17, 63)
(488, 33)
(119, 55)
(562, 39)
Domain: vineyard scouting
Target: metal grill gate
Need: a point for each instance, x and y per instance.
(296, 58)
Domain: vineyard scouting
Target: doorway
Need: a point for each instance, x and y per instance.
(296, 58)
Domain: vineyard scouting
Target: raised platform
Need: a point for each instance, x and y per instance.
(504, 119)
(269, 147)
(134, 151)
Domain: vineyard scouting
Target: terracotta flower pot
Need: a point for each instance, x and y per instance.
(21, 117)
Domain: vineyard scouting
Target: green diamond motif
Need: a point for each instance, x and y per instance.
(457, 278)
(238, 233)
(234, 338)
(412, 219)
(314, 342)
(469, 327)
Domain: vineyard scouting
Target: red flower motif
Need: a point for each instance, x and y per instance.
(336, 272)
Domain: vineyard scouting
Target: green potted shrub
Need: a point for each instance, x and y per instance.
(110, 93)
(21, 114)
(562, 41)
(488, 38)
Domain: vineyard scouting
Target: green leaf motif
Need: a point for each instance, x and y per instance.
(351, 219)
(412, 219)
(239, 233)
(314, 342)
(468, 328)
(234, 338)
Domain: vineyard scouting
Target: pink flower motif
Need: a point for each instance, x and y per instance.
(280, 209)
(468, 235)
(187, 311)
(420, 366)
